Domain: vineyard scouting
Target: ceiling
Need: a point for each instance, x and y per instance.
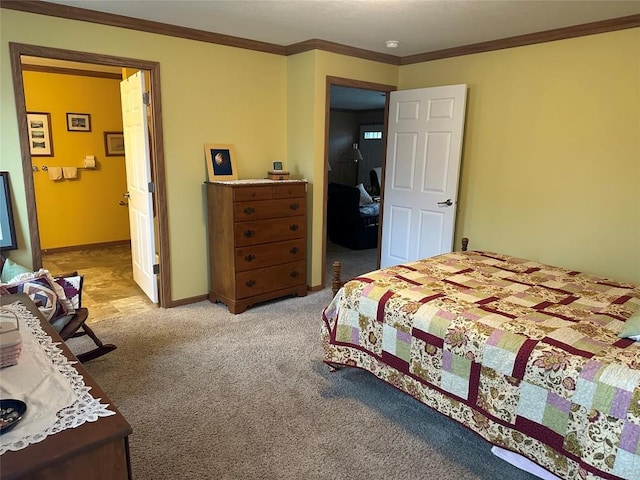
(418, 25)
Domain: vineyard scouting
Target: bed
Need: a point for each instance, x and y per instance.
(524, 354)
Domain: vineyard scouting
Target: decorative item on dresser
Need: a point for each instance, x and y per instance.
(278, 175)
(257, 241)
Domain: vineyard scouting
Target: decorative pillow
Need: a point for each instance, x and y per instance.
(631, 329)
(44, 292)
(365, 198)
(72, 287)
(10, 269)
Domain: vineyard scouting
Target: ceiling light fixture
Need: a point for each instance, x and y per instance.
(392, 43)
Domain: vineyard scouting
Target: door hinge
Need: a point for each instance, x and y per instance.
(152, 187)
(145, 98)
(156, 268)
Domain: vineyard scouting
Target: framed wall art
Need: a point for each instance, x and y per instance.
(78, 122)
(39, 132)
(221, 162)
(113, 144)
(7, 227)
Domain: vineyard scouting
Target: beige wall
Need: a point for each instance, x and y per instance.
(551, 164)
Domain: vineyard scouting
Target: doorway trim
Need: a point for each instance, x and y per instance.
(157, 149)
(349, 82)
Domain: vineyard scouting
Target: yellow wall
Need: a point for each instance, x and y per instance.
(307, 74)
(85, 210)
(300, 138)
(210, 94)
(551, 165)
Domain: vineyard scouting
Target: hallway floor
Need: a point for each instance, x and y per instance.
(109, 290)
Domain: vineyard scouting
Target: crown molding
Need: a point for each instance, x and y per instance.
(584, 29)
(317, 44)
(86, 15)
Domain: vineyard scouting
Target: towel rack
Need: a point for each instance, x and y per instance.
(44, 168)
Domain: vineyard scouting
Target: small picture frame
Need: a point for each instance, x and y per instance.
(221, 162)
(39, 132)
(7, 227)
(78, 122)
(114, 144)
(277, 166)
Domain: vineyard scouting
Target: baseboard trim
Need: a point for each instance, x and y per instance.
(187, 301)
(88, 246)
(199, 298)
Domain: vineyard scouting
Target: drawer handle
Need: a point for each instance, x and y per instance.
(250, 283)
(294, 206)
(294, 274)
(253, 194)
(294, 250)
(294, 227)
(250, 258)
(249, 211)
(249, 233)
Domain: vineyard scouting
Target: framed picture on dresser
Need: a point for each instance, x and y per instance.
(221, 162)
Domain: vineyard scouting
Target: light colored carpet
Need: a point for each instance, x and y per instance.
(211, 395)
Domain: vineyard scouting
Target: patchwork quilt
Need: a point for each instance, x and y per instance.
(525, 354)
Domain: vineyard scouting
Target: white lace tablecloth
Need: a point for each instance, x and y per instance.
(55, 393)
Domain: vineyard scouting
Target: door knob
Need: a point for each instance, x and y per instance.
(126, 195)
(446, 203)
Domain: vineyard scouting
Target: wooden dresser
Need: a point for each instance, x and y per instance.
(257, 241)
(97, 450)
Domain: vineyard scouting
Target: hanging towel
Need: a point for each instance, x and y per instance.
(55, 173)
(70, 172)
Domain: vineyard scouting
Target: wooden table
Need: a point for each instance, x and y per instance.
(97, 450)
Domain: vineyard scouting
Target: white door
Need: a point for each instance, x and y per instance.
(138, 169)
(424, 147)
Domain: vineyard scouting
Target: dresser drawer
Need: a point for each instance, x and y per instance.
(265, 231)
(258, 256)
(255, 210)
(290, 190)
(264, 280)
(252, 192)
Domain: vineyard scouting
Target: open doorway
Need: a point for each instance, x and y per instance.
(157, 154)
(356, 117)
